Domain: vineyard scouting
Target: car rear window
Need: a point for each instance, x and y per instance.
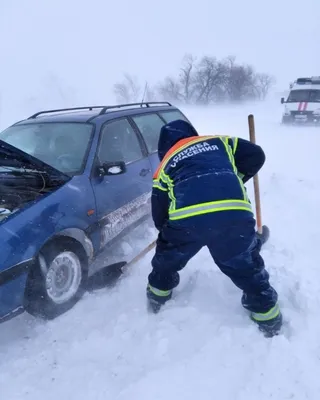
(149, 125)
(169, 116)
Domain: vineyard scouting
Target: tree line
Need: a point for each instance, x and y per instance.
(201, 82)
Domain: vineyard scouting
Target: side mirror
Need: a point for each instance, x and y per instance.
(282, 100)
(114, 168)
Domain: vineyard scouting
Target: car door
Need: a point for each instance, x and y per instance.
(150, 125)
(123, 199)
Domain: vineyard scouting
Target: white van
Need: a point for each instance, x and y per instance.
(302, 105)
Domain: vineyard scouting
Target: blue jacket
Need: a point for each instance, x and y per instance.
(200, 177)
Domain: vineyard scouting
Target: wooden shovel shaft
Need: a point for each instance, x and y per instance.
(252, 134)
(142, 253)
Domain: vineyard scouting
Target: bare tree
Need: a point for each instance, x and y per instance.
(240, 83)
(182, 88)
(230, 61)
(201, 82)
(187, 81)
(264, 82)
(210, 76)
(170, 90)
(128, 91)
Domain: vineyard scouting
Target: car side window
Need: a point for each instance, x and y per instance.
(149, 125)
(169, 116)
(119, 142)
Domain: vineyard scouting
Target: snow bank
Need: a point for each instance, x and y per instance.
(202, 345)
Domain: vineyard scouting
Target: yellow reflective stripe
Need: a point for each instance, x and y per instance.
(271, 314)
(159, 292)
(172, 198)
(235, 144)
(206, 207)
(166, 178)
(240, 175)
(169, 182)
(158, 185)
(229, 152)
(209, 207)
(232, 160)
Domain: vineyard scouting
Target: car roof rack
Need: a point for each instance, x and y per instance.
(89, 108)
(103, 108)
(141, 104)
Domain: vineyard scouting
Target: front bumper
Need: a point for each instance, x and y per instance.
(12, 289)
(301, 118)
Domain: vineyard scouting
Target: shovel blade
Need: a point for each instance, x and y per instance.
(264, 236)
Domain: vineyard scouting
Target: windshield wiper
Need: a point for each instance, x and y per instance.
(6, 168)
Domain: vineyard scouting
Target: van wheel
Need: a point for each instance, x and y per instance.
(58, 280)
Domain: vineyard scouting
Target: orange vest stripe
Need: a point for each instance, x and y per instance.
(178, 146)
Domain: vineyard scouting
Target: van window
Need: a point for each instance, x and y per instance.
(304, 95)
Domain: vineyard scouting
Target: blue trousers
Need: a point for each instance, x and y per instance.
(234, 248)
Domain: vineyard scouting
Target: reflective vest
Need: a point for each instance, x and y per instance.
(200, 176)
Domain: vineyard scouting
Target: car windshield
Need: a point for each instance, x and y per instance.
(310, 95)
(62, 145)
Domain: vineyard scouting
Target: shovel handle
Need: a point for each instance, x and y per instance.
(252, 134)
(142, 253)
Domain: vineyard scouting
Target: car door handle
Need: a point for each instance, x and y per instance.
(145, 171)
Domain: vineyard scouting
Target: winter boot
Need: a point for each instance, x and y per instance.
(157, 298)
(270, 322)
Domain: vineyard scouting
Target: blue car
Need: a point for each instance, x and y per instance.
(72, 183)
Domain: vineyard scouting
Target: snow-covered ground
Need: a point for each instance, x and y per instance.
(202, 345)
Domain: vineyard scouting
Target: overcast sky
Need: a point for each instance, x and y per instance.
(88, 45)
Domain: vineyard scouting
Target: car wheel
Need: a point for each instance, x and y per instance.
(58, 280)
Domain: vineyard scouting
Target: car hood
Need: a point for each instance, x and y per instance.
(11, 156)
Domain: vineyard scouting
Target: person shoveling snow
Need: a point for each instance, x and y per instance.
(199, 199)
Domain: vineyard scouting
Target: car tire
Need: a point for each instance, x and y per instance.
(58, 280)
